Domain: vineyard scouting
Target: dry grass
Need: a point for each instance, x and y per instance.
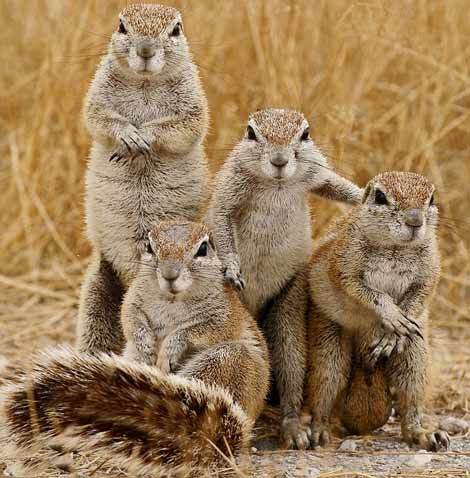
(385, 84)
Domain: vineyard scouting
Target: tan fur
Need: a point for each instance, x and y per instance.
(201, 330)
(147, 114)
(191, 384)
(261, 220)
(371, 280)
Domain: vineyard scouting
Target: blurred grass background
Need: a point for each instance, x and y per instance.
(385, 85)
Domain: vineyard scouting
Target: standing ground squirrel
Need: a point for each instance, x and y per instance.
(371, 280)
(178, 314)
(261, 221)
(147, 114)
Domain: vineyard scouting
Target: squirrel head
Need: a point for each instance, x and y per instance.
(149, 40)
(398, 208)
(183, 258)
(277, 145)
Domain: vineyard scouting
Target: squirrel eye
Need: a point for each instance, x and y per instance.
(176, 30)
(202, 251)
(380, 197)
(122, 28)
(250, 133)
(431, 201)
(148, 248)
(304, 136)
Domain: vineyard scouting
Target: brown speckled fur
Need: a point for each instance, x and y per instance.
(129, 414)
(371, 279)
(149, 19)
(261, 222)
(147, 116)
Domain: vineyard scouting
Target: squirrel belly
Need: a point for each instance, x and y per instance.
(125, 411)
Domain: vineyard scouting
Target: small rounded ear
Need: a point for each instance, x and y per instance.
(211, 241)
(147, 251)
(366, 193)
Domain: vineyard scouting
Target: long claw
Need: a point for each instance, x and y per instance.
(126, 144)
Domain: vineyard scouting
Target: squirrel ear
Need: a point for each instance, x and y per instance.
(366, 193)
(211, 240)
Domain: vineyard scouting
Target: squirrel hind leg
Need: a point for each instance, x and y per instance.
(329, 372)
(407, 373)
(235, 368)
(99, 325)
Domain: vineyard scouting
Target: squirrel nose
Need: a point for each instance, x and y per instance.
(414, 217)
(279, 160)
(145, 50)
(170, 271)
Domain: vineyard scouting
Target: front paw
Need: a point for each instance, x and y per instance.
(395, 321)
(431, 441)
(232, 273)
(132, 143)
(169, 358)
(383, 346)
(294, 434)
(319, 435)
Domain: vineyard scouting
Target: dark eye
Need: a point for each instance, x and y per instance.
(122, 28)
(304, 136)
(202, 251)
(250, 133)
(149, 249)
(176, 32)
(380, 197)
(431, 201)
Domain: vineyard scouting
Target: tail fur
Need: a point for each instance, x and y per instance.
(148, 421)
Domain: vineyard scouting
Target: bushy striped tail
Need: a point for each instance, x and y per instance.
(123, 411)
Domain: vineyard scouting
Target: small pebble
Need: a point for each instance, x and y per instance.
(420, 459)
(454, 426)
(349, 445)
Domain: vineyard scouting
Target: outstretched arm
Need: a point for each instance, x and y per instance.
(224, 208)
(337, 188)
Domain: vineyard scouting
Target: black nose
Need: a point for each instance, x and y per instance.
(145, 51)
(414, 217)
(279, 160)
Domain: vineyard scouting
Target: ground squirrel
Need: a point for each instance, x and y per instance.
(371, 279)
(178, 314)
(260, 216)
(147, 115)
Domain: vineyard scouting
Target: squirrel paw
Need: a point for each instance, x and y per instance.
(319, 435)
(295, 435)
(384, 346)
(432, 441)
(400, 324)
(233, 274)
(132, 143)
(169, 359)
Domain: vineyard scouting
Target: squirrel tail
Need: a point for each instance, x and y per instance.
(148, 421)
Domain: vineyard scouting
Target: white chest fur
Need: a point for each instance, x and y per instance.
(392, 272)
(273, 239)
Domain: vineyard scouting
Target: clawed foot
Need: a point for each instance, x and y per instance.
(432, 441)
(398, 323)
(132, 144)
(233, 274)
(295, 435)
(319, 435)
(384, 346)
